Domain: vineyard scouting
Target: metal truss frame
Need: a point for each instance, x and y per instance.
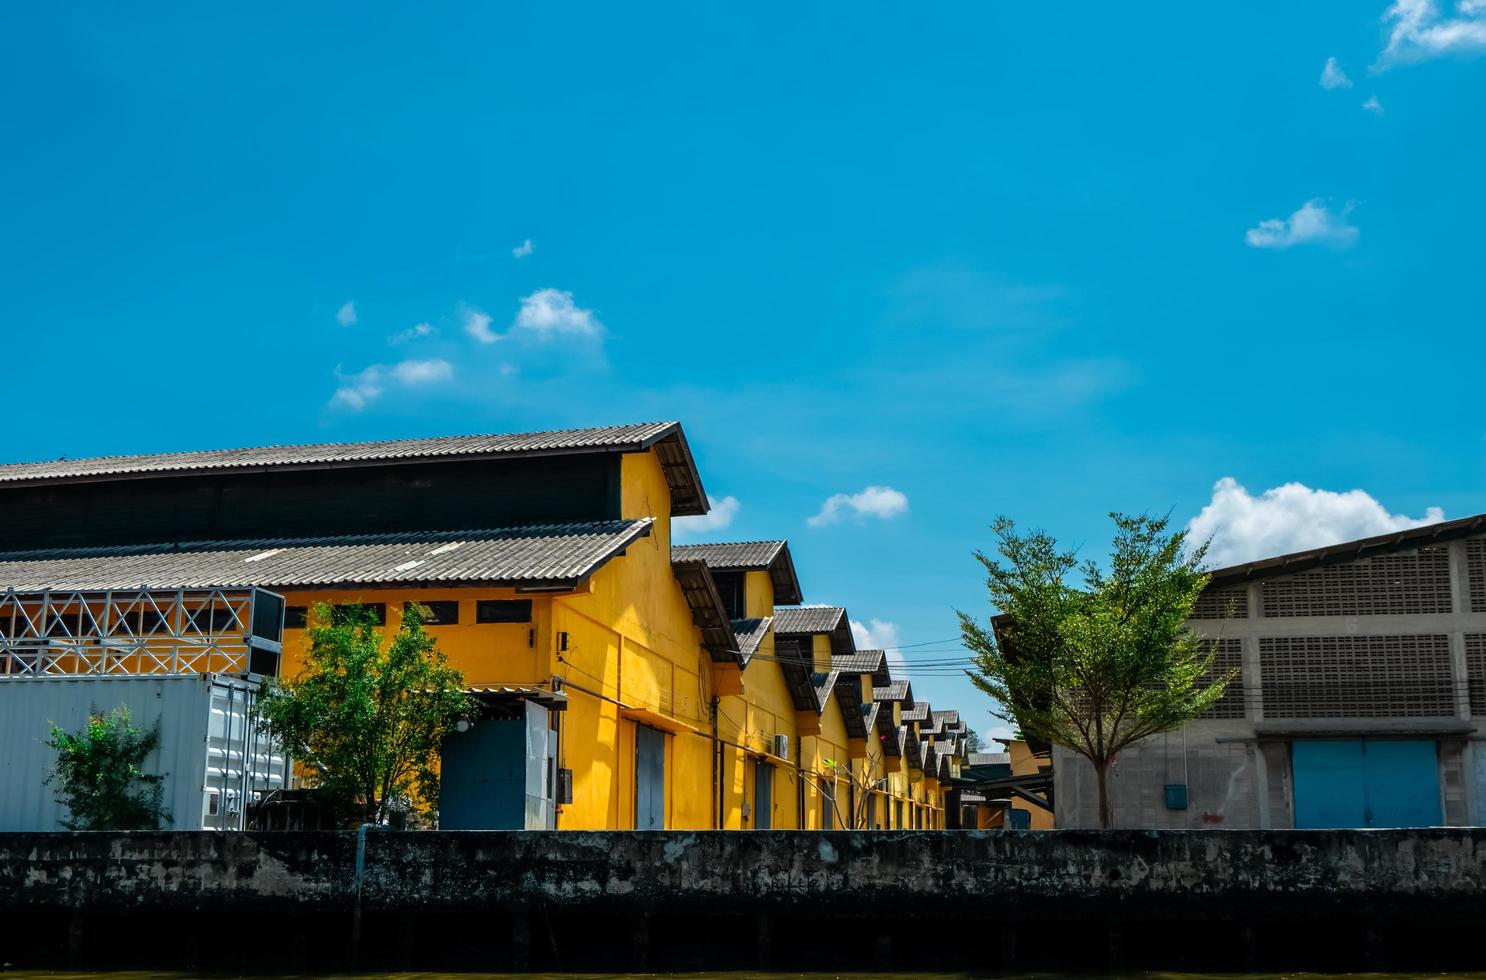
(137, 631)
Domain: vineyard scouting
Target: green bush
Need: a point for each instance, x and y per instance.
(99, 775)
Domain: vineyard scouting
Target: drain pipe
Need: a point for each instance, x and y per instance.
(716, 767)
(356, 881)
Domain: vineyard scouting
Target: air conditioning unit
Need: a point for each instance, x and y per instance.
(781, 747)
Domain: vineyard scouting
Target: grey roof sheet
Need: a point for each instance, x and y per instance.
(861, 662)
(823, 683)
(750, 633)
(610, 437)
(1349, 550)
(896, 691)
(542, 554)
(732, 554)
(988, 759)
(770, 556)
(948, 718)
(807, 619)
(917, 711)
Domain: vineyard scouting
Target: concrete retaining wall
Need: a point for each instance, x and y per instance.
(610, 900)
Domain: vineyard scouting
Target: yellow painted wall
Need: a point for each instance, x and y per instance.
(1024, 763)
(816, 749)
(631, 638)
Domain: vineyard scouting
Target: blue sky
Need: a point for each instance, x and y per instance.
(1039, 260)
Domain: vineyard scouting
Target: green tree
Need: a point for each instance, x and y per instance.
(973, 742)
(368, 714)
(1098, 667)
(99, 773)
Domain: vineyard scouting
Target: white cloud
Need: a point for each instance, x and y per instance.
(549, 313)
(1373, 106)
(1332, 76)
(879, 502)
(544, 315)
(413, 373)
(346, 315)
(1290, 518)
(720, 514)
(876, 634)
(998, 731)
(1420, 32)
(523, 250)
(359, 390)
(477, 325)
(416, 332)
(1314, 223)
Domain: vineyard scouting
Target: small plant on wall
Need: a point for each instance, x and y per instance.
(100, 777)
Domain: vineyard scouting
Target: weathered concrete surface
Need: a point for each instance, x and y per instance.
(515, 885)
(824, 869)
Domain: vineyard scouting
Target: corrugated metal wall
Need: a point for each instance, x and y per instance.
(205, 739)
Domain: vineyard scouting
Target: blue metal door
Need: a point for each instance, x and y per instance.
(650, 778)
(1365, 783)
(763, 795)
(1402, 783)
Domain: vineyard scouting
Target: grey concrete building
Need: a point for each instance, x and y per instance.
(1361, 700)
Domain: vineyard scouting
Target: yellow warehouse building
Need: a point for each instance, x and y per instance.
(625, 683)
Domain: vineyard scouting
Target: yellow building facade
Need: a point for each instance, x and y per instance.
(625, 683)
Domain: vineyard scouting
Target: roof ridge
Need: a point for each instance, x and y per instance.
(337, 445)
(309, 541)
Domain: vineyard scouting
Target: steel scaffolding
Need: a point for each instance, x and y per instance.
(141, 631)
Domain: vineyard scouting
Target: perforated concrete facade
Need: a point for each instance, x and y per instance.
(1393, 645)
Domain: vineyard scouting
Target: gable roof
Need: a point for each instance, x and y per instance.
(1299, 561)
(849, 695)
(707, 611)
(750, 633)
(816, 621)
(753, 556)
(918, 711)
(872, 662)
(896, 691)
(687, 496)
(540, 556)
(824, 684)
(808, 619)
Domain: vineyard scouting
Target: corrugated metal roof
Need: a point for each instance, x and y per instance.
(772, 556)
(823, 683)
(707, 611)
(861, 662)
(989, 759)
(548, 554)
(948, 718)
(732, 554)
(807, 619)
(610, 437)
(1349, 550)
(750, 633)
(917, 711)
(896, 691)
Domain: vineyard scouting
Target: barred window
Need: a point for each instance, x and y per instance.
(1475, 670)
(1408, 583)
(1227, 657)
(1357, 676)
(1475, 563)
(1223, 603)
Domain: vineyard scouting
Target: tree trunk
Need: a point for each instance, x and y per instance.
(1101, 770)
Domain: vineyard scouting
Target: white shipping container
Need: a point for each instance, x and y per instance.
(211, 757)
